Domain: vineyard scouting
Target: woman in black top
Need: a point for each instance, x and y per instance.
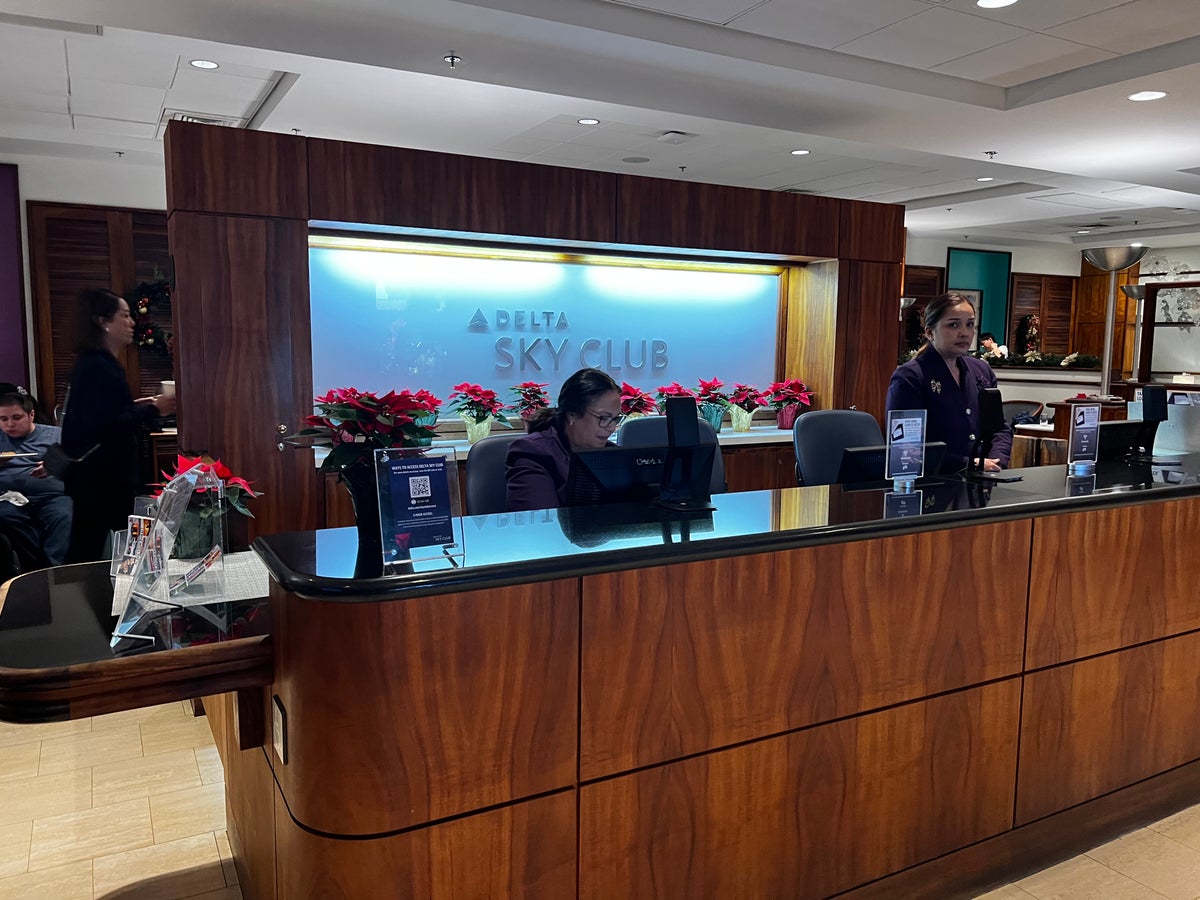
(100, 425)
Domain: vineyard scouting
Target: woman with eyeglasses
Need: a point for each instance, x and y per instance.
(538, 465)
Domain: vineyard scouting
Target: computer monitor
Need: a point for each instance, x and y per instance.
(866, 465)
(1126, 439)
(636, 474)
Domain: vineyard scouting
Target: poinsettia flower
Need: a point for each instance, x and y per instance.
(675, 389)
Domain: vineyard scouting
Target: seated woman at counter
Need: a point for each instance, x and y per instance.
(945, 380)
(538, 465)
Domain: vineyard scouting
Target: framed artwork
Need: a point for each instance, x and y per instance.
(976, 298)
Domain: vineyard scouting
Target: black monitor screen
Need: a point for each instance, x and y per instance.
(1116, 440)
(630, 474)
(864, 465)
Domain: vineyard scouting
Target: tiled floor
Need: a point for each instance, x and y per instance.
(129, 805)
(132, 806)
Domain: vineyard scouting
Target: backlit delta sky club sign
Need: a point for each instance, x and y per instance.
(383, 320)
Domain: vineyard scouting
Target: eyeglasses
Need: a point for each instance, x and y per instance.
(606, 421)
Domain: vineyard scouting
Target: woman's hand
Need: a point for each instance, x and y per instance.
(991, 465)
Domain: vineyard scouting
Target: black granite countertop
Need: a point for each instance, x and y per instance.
(512, 548)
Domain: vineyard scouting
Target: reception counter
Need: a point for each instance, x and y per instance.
(793, 696)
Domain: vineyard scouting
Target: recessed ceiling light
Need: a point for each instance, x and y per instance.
(1143, 96)
(635, 159)
(204, 64)
(1083, 231)
(1136, 244)
(986, 178)
(994, 4)
(801, 152)
(588, 121)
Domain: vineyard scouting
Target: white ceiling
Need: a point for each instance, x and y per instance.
(898, 100)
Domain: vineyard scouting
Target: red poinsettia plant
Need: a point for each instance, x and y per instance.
(531, 396)
(710, 392)
(352, 422)
(477, 403)
(674, 389)
(747, 397)
(635, 401)
(788, 393)
(237, 489)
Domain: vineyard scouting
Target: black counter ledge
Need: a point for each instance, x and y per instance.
(513, 548)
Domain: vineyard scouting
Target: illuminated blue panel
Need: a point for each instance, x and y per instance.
(383, 320)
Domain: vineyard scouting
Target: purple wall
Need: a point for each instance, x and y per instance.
(14, 364)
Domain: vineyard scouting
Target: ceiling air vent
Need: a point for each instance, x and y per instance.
(181, 115)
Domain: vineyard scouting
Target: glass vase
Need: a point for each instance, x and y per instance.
(713, 414)
(740, 418)
(359, 479)
(477, 430)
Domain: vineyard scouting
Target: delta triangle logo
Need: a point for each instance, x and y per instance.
(478, 321)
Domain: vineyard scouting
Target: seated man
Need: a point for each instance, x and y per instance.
(45, 519)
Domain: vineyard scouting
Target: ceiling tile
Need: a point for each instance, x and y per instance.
(32, 60)
(1037, 15)
(145, 130)
(704, 10)
(574, 153)
(1134, 26)
(818, 23)
(13, 116)
(1082, 201)
(129, 102)
(1026, 58)
(96, 59)
(932, 38)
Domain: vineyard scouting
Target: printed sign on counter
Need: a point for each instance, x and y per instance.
(418, 503)
(1085, 433)
(905, 444)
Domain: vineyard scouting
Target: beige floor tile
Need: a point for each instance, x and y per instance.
(166, 711)
(209, 760)
(95, 748)
(1008, 892)
(1184, 826)
(19, 761)
(161, 736)
(230, 893)
(24, 734)
(160, 774)
(1082, 878)
(69, 882)
(165, 871)
(1155, 860)
(226, 852)
(14, 848)
(94, 832)
(181, 814)
(46, 795)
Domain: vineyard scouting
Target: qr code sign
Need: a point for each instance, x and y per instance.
(419, 487)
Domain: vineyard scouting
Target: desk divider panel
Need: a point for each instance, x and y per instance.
(687, 658)
(1109, 578)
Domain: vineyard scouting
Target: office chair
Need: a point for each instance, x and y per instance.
(651, 431)
(485, 474)
(820, 437)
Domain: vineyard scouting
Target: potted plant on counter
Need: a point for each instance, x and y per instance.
(635, 402)
(713, 402)
(477, 407)
(531, 397)
(745, 400)
(786, 397)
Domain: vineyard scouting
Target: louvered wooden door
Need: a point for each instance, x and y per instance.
(1049, 296)
(74, 247)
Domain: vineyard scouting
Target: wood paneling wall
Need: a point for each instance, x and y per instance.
(864, 357)
(14, 361)
(1091, 301)
(1052, 297)
(72, 247)
(843, 346)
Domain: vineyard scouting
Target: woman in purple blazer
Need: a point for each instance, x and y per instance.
(945, 380)
(538, 465)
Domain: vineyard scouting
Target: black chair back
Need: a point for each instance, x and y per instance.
(486, 487)
(820, 437)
